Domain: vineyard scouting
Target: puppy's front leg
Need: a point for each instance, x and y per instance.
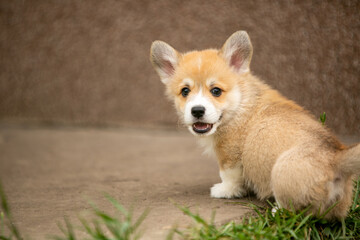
(232, 184)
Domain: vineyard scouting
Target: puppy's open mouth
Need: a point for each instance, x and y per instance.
(200, 127)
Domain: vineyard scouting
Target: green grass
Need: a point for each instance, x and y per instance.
(120, 225)
(284, 224)
(105, 226)
(6, 222)
(323, 118)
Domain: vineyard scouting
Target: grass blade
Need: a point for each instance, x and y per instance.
(357, 192)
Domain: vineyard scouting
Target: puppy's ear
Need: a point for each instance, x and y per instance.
(237, 51)
(164, 59)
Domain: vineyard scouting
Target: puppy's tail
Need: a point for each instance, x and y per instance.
(350, 160)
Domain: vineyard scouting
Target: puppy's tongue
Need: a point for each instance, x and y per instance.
(201, 126)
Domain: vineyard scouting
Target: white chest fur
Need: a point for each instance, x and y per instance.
(208, 145)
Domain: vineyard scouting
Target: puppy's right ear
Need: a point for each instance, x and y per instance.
(164, 59)
(237, 51)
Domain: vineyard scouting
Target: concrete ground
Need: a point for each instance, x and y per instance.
(49, 173)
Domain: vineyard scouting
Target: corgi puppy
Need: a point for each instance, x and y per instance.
(264, 142)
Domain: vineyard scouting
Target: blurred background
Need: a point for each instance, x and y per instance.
(87, 62)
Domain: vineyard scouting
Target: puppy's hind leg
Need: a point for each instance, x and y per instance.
(232, 184)
(298, 183)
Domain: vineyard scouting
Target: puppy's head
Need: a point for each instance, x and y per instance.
(204, 84)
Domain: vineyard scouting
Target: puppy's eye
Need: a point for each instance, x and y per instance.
(216, 92)
(185, 91)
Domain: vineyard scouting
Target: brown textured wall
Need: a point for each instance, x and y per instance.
(87, 61)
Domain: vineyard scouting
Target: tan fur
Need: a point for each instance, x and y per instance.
(279, 149)
(211, 67)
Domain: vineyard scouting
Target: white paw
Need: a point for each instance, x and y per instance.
(226, 190)
(274, 210)
(276, 207)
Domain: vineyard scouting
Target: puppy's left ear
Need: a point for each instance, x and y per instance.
(237, 51)
(164, 59)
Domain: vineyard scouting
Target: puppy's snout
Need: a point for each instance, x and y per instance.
(198, 111)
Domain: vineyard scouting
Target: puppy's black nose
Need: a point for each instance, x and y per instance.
(198, 111)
